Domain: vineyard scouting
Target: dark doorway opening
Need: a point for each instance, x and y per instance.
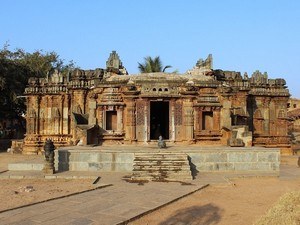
(159, 120)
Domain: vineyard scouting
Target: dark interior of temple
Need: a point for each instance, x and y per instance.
(159, 120)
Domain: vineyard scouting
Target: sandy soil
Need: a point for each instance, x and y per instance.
(242, 203)
(14, 193)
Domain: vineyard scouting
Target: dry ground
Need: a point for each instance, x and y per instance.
(13, 192)
(243, 203)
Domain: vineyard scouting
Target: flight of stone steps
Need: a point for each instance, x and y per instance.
(161, 166)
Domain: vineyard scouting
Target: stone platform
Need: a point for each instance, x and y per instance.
(202, 159)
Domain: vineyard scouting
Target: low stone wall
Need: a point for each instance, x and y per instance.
(255, 159)
(240, 160)
(77, 160)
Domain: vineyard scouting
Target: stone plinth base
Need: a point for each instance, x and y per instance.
(121, 159)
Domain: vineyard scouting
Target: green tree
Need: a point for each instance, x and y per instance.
(15, 69)
(152, 65)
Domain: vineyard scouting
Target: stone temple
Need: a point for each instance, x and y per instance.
(202, 107)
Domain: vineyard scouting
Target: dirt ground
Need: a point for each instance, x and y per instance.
(18, 192)
(242, 203)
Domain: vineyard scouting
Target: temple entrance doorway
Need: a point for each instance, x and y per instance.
(159, 120)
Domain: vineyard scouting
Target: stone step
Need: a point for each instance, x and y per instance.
(155, 173)
(162, 164)
(160, 155)
(159, 168)
(165, 160)
(159, 178)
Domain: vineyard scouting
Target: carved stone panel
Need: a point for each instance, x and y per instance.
(178, 113)
(140, 117)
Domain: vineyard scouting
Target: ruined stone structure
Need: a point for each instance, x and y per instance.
(201, 107)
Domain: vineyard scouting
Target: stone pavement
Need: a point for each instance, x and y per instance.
(110, 205)
(121, 202)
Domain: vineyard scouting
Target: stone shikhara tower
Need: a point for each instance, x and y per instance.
(202, 107)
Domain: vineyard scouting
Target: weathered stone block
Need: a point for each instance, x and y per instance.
(79, 166)
(245, 166)
(93, 166)
(197, 158)
(94, 157)
(123, 157)
(275, 166)
(242, 157)
(268, 157)
(80, 157)
(123, 167)
(105, 157)
(205, 167)
(216, 157)
(264, 166)
(224, 166)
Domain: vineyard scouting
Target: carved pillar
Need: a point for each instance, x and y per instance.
(226, 112)
(92, 112)
(38, 107)
(100, 116)
(50, 124)
(216, 116)
(188, 120)
(147, 121)
(172, 119)
(266, 106)
(130, 121)
(62, 117)
(200, 118)
(179, 134)
(120, 125)
(197, 118)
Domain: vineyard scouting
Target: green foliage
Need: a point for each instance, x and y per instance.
(15, 69)
(151, 65)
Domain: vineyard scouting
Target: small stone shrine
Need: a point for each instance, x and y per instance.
(203, 106)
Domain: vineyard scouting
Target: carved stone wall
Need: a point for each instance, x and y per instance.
(205, 106)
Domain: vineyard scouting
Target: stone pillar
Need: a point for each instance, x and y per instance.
(200, 118)
(216, 115)
(196, 119)
(266, 106)
(62, 99)
(226, 113)
(120, 125)
(100, 116)
(92, 112)
(146, 121)
(50, 115)
(130, 128)
(38, 107)
(172, 119)
(188, 120)
(65, 115)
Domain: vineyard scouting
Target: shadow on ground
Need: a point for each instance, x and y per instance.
(207, 214)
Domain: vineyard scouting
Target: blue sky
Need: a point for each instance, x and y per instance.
(242, 35)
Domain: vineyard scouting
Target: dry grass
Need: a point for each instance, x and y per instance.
(285, 212)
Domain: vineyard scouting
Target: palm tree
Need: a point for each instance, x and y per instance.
(152, 65)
